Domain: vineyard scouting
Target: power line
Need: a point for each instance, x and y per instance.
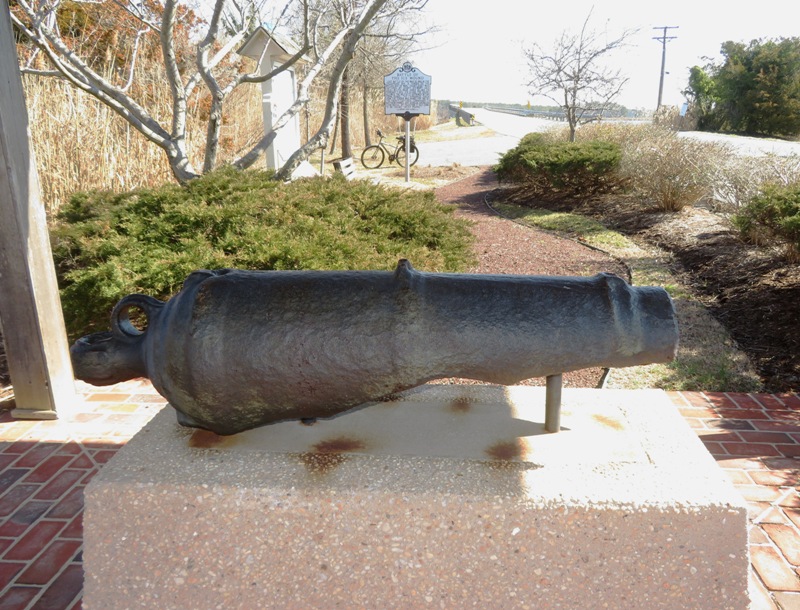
(663, 39)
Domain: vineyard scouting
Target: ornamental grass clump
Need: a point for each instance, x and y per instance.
(669, 171)
(149, 240)
(740, 178)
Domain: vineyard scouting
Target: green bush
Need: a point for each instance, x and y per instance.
(107, 246)
(555, 169)
(773, 217)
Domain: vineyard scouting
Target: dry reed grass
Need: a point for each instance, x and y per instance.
(81, 144)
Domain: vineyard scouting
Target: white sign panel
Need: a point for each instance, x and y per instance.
(407, 91)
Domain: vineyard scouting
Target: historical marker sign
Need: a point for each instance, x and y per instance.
(407, 92)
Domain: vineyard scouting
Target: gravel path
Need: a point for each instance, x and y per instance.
(506, 247)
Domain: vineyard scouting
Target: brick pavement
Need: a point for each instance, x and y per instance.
(755, 438)
(45, 466)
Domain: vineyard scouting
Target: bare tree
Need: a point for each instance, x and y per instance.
(350, 37)
(212, 69)
(393, 34)
(390, 40)
(574, 76)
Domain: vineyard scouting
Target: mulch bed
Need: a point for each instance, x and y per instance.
(754, 292)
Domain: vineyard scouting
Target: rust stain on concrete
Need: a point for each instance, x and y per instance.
(205, 439)
(322, 463)
(506, 451)
(607, 421)
(326, 455)
(462, 404)
(341, 444)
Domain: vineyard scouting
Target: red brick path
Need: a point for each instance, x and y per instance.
(755, 438)
(45, 466)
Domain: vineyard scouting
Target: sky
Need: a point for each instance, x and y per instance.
(478, 50)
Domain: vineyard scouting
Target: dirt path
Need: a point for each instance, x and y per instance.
(506, 247)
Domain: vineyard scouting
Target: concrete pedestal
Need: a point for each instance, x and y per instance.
(449, 497)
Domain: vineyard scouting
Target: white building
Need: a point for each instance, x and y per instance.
(278, 93)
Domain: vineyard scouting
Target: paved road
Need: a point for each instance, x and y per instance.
(510, 128)
(469, 152)
(748, 146)
(482, 151)
(511, 125)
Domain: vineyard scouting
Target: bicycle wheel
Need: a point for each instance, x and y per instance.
(401, 156)
(372, 157)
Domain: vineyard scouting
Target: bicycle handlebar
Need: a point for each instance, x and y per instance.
(399, 138)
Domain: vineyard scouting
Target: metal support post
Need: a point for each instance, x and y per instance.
(408, 150)
(552, 405)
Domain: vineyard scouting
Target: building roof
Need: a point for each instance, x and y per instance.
(277, 45)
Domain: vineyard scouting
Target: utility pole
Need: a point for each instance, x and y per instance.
(663, 39)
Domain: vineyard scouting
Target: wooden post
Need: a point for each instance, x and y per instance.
(30, 308)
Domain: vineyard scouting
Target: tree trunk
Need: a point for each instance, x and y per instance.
(365, 109)
(344, 115)
(319, 140)
(572, 121)
(212, 134)
(179, 163)
(335, 134)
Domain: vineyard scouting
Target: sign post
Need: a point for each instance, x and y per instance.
(407, 93)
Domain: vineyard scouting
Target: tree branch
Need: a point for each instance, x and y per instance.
(167, 37)
(215, 113)
(252, 156)
(134, 55)
(80, 75)
(136, 12)
(351, 36)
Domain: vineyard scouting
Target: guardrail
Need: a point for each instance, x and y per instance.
(462, 115)
(539, 114)
(559, 116)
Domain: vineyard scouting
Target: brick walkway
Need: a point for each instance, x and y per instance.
(44, 467)
(755, 438)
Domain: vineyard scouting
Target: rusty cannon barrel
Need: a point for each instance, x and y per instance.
(234, 350)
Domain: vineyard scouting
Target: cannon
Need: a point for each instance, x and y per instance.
(234, 350)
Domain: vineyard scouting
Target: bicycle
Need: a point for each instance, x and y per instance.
(375, 154)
